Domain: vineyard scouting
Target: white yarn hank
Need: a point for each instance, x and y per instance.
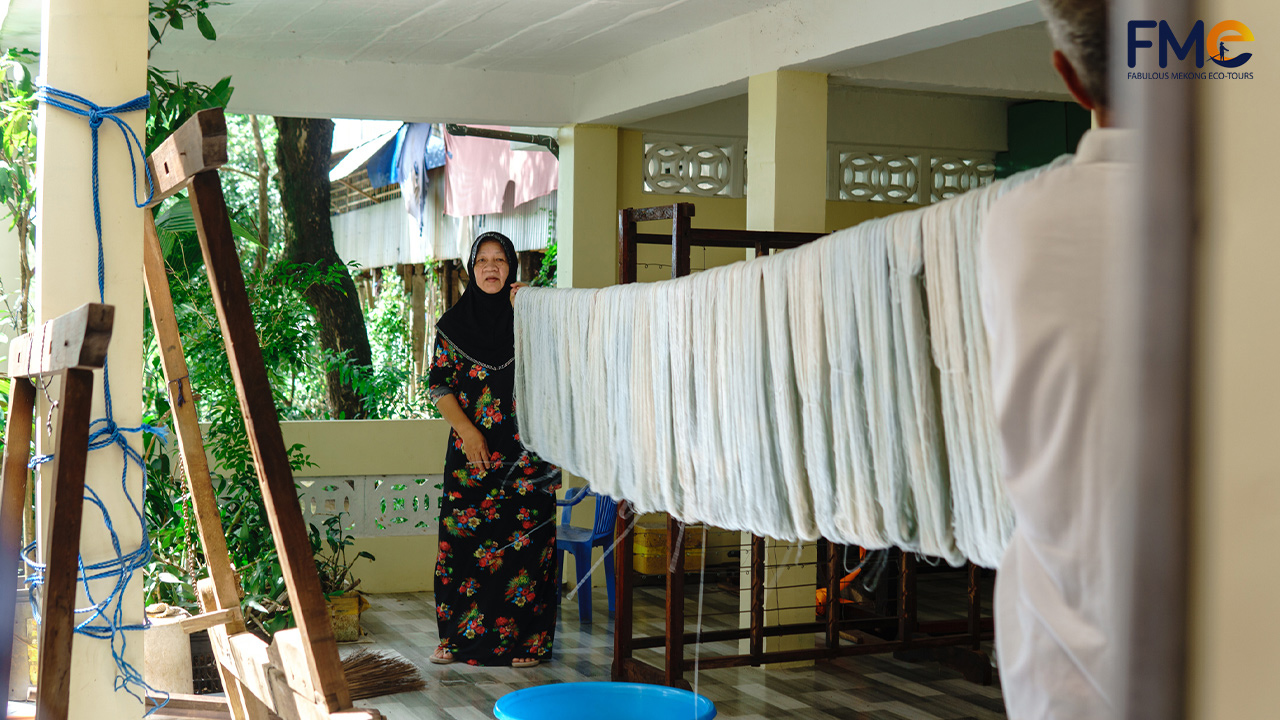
(839, 389)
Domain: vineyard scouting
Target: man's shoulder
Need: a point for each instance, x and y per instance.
(1065, 192)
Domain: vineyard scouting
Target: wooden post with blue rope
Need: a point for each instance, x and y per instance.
(71, 347)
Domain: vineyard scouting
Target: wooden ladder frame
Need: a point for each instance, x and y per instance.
(299, 675)
(70, 346)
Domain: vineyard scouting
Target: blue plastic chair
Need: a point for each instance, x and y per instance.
(580, 541)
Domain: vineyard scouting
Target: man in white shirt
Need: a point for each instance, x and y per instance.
(1044, 260)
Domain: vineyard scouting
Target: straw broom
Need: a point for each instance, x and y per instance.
(371, 674)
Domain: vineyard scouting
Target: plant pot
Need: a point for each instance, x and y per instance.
(344, 614)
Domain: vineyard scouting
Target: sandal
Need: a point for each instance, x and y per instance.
(439, 657)
(525, 663)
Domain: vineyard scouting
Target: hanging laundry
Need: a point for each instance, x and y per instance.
(484, 176)
(419, 148)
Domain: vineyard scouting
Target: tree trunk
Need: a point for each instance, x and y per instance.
(264, 200)
(303, 156)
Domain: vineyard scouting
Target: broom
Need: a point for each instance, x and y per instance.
(371, 674)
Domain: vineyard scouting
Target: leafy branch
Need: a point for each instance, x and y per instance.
(172, 13)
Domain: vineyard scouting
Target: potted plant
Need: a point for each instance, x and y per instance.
(336, 581)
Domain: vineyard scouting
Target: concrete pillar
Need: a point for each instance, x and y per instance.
(787, 151)
(786, 190)
(587, 206)
(98, 50)
(1236, 400)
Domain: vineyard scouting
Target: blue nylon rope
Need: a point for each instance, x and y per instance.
(105, 619)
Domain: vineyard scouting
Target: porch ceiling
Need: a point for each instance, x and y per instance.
(557, 37)
(555, 62)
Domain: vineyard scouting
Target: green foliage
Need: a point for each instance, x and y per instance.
(174, 101)
(167, 14)
(331, 555)
(546, 276)
(388, 388)
(287, 334)
(17, 133)
(18, 163)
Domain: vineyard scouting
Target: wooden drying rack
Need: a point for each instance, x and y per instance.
(954, 643)
(299, 675)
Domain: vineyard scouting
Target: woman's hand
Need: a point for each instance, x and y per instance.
(473, 443)
(476, 448)
(514, 288)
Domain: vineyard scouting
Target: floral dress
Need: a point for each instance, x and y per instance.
(496, 571)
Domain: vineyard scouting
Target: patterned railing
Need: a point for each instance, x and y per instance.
(374, 505)
(703, 166)
(917, 176)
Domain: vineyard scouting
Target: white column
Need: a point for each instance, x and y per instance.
(98, 50)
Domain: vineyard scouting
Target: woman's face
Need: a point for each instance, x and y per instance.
(491, 268)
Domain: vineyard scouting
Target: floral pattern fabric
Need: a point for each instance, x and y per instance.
(496, 571)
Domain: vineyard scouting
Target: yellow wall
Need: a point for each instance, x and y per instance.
(847, 213)
(586, 221)
(710, 212)
(379, 447)
(393, 447)
(1235, 629)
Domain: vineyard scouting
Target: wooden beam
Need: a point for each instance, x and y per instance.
(189, 706)
(757, 597)
(907, 598)
(675, 602)
(262, 424)
(62, 549)
(680, 237)
(626, 249)
(13, 501)
(661, 212)
(242, 703)
(77, 339)
(834, 606)
(204, 621)
(199, 145)
(204, 501)
(623, 583)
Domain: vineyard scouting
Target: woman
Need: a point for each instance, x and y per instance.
(496, 596)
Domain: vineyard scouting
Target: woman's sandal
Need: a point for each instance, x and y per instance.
(522, 663)
(442, 657)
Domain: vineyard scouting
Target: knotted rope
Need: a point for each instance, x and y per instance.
(105, 619)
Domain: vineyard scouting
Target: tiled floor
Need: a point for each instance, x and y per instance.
(866, 688)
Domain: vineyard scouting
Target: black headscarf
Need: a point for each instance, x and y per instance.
(481, 326)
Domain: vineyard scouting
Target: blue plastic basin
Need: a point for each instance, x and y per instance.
(603, 700)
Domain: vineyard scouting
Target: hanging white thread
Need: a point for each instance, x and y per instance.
(791, 396)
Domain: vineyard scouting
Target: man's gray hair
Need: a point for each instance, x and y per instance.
(1079, 29)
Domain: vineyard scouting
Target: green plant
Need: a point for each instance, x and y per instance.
(174, 101)
(18, 163)
(388, 387)
(287, 337)
(546, 276)
(330, 549)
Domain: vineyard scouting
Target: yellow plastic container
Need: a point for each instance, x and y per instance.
(344, 613)
(650, 547)
(657, 564)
